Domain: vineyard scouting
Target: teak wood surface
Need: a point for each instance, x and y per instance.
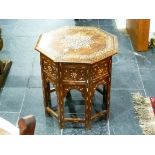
(83, 69)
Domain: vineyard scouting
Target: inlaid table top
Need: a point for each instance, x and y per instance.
(77, 44)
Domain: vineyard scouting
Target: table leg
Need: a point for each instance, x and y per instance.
(107, 103)
(46, 93)
(104, 97)
(88, 109)
(61, 109)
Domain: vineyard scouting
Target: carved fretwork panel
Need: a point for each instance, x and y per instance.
(100, 69)
(49, 67)
(81, 88)
(103, 81)
(74, 73)
(50, 79)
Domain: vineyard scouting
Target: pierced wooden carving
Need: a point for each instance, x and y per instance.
(100, 69)
(81, 88)
(74, 74)
(49, 67)
(82, 77)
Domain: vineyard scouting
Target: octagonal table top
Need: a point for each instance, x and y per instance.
(78, 44)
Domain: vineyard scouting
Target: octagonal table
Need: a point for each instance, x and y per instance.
(76, 58)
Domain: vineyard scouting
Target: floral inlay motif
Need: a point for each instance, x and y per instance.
(74, 75)
(76, 41)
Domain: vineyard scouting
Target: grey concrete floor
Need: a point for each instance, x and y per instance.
(22, 92)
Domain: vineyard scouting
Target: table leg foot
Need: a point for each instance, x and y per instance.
(106, 117)
(61, 125)
(88, 125)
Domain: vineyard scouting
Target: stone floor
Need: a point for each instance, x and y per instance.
(22, 93)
